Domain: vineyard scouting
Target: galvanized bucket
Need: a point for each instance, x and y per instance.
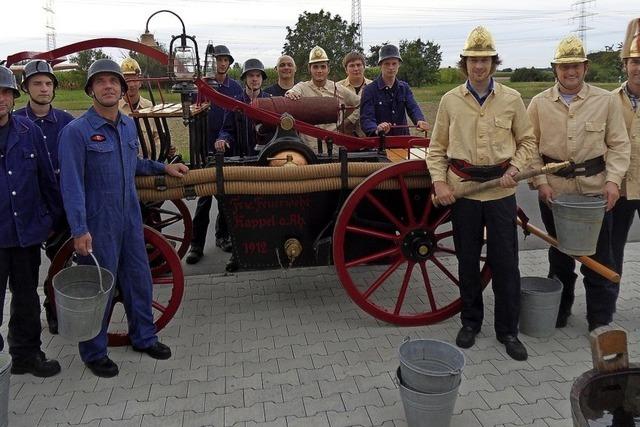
(5, 374)
(539, 304)
(82, 294)
(430, 366)
(427, 409)
(578, 220)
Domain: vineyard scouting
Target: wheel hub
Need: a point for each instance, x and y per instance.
(418, 245)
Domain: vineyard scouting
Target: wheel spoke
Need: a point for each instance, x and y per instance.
(427, 210)
(407, 201)
(403, 289)
(391, 217)
(167, 221)
(163, 280)
(443, 235)
(446, 271)
(371, 233)
(446, 250)
(373, 257)
(427, 285)
(384, 276)
(173, 238)
(161, 308)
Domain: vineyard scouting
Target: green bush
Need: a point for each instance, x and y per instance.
(73, 79)
(451, 75)
(372, 72)
(531, 75)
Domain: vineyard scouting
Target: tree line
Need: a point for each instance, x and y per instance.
(421, 59)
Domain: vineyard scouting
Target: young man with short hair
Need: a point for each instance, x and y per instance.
(286, 68)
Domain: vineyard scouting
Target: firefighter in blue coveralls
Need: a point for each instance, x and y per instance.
(30, 207)
(229, 87)
(40, 84)
(386, 101)
(98, 164)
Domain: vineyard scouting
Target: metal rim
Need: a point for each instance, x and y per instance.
(415, 225)
(158, 217)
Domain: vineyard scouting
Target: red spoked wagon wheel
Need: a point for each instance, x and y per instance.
(393, 249)
(173, 219)
(168, 287)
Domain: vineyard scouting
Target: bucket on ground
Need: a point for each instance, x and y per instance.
(578, 220)
(430, 366)
(539, 304)
(82, 293)
(427, 409)
(5, 375)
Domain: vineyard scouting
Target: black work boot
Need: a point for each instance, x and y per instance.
(194, 255)
(466, 337)
(37, 365)
(514, 347)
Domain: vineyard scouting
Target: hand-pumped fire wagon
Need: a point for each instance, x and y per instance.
(362, 204)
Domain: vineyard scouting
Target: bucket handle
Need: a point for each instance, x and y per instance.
(95, 260)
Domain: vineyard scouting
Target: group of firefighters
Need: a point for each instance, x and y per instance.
(62, 177)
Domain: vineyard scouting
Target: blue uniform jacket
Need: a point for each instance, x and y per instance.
(30, 205)
(380, 103)
(238, 129)
(98, 164)
(51, 124)
(215, 118)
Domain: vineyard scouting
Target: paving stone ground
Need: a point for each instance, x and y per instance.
(291, 349)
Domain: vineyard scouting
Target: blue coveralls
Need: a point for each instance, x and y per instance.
(380, 103)
(215, 120)
(30, 207)
(239, 130)
(98, 164)
(51, 124)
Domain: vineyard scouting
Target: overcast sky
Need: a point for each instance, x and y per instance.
(526, 33)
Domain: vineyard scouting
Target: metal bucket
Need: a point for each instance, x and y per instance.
(5, 375)
(539, 304)
(82, 293)
(430, 366)
(578, 220)
(427, 409)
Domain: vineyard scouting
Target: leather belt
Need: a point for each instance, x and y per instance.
(470, 172)
(587, 168)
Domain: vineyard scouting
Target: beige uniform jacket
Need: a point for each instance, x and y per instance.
(490, 134)
(330, 89)
(142, 103)
(590, 126)
(631, 183)
(352, 89)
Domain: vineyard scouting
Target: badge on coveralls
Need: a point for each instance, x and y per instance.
(98, 138)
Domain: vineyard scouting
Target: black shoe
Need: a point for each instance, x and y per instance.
(38, 366)
(562, 320)
(104, 368)
(224, 243)
(52, 319)
(466, 337)
(156, 351)
(194, 255)
(596, 325)
(232, 265)
(514, 347)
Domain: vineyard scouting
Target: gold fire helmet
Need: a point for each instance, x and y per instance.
(318, 54)
(570, 50)
(631, 44)
(130, 66)
(479, 43)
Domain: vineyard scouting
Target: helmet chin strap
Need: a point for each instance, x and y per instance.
(35, 101)
(93, 95)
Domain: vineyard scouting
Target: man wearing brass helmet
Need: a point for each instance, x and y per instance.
(320, 85)
(133, 101)
(482, 132)
(628, 95)
(575, 121)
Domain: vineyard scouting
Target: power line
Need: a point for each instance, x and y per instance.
(581, 16)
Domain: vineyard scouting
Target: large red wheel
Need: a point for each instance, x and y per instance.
(393, 249)
(173, 219)
(168, 287)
